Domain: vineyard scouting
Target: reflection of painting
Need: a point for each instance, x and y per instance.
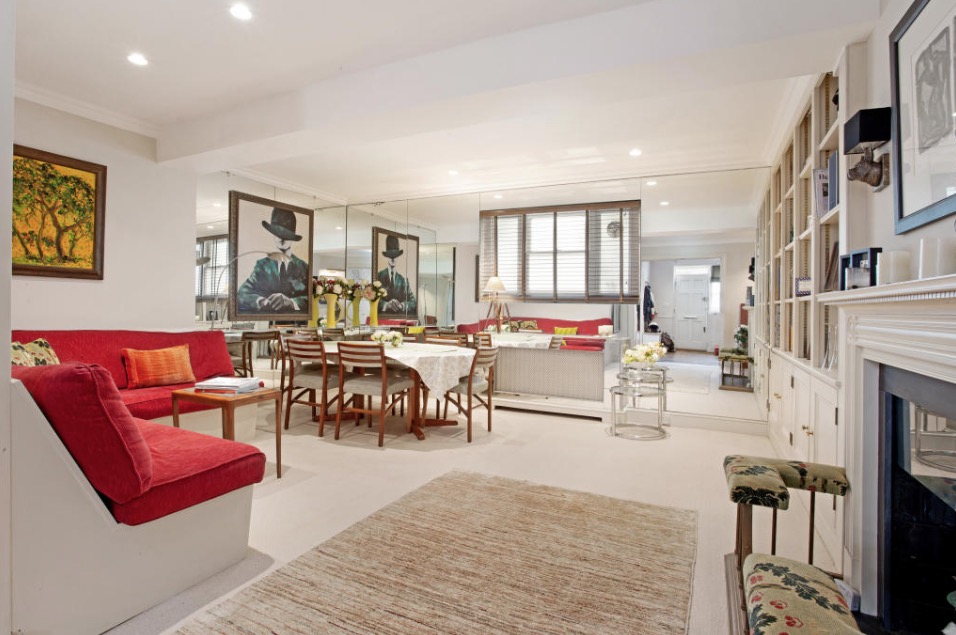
(395, 263)
(58, 209)
(271, 266)
(933, 101)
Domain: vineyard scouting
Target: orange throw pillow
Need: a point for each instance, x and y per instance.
(159, 367)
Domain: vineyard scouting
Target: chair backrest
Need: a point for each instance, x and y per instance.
(556, 342)
(447, 341)
(305, 351)
(333, 334)
(482, 338)
(260, 336)
(485, 357)
(361, 355)
(311, 333)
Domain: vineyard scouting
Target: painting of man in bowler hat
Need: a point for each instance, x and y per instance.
(397, 271)
(278, 285)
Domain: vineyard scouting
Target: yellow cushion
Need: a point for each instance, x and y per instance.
(415, 330)
(158, 367)
(565, 330)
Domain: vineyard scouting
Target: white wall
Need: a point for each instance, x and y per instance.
(7, 23)
(149, 257)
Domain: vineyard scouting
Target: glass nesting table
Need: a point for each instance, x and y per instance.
(635, 384)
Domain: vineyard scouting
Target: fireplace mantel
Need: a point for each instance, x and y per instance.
(909, 325)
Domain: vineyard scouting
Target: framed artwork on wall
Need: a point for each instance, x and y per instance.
(270, 270)
(924, 146)
(395, 265)
(59, 206)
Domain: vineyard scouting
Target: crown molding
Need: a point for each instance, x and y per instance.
(290, 186)
(46, 97)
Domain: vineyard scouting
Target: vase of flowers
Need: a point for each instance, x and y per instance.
(352, 296)
(388, 338)
(329, 289)
(373, 292)
(644, 355)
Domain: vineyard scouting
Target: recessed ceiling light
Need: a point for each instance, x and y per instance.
(339, 228)
(498, 196)
(240, 11)
(452, 172)
(210, 227)
(137, 58)
(217, 204)
(665, 203)
(635, 152)
(651, 183)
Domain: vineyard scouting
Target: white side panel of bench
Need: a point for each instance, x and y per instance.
(75, 569)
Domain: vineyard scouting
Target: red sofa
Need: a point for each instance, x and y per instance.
(547, 325)
(143, 470)
(208, 357)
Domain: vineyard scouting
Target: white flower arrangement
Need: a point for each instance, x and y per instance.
(644, 354)
(392, 338)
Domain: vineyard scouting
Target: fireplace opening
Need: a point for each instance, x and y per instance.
(917, 502)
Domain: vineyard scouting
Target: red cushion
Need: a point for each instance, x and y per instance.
(157, 401)
(207, 349)
(189, 468)
(86, 410)
(546, 325)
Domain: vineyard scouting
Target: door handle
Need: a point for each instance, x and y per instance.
(691, 317)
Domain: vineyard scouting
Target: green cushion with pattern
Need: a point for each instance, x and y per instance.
(785, 596)
(751, 480)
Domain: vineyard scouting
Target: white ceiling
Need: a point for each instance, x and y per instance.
(377, 100)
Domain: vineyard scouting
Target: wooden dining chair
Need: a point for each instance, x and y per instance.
(250, 339)
(311, 378)
(481, 338)
(333, 335)
(480, 380)
(374, 379)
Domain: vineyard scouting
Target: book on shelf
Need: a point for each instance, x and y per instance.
(229, 385)
(821, 192)
(832, 279)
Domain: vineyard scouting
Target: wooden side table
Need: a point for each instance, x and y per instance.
(228, 404)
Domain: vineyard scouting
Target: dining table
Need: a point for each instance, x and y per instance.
(438, 367)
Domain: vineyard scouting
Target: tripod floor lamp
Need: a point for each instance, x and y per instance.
(498, 308)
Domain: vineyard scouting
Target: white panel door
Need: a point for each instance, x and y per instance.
(691, 301)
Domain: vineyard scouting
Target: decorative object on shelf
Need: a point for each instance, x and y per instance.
(275, 287)
(937, 257)
(497, 308)
(802, 286)
(866, 131)
(821, 180)
(833, 181)
(388, 338)
(893, 266)
(646, 355)
(922, 122)
(61, 202)
(831, 281)
(858, 268)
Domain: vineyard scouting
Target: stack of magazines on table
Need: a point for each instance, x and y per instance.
(230, 385)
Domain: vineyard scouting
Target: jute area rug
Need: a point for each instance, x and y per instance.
(472, 554)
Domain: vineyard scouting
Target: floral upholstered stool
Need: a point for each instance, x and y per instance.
(786, 596)
(766, 482)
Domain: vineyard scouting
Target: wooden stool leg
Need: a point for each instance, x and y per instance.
(773, 534)
(813, 510)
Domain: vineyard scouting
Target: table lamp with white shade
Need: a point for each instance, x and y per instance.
(497, 309)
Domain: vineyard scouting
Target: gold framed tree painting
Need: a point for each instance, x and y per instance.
(58, 215)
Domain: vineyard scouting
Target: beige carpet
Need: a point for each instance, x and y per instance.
(474, 554)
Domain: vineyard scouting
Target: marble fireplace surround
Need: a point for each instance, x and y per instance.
(910, 325)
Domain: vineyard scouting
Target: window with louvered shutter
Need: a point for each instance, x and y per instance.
(208, 284)
(572, 253)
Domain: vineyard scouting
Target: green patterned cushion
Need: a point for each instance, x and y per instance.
(749, 477)
(753, 482)
(785, 596)
(20, 356)
(39, 350)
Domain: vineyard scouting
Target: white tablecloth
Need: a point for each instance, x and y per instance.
(521, 340)
(440, 367)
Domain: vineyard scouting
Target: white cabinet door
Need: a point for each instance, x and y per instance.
(827, 448)
(802, 422)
